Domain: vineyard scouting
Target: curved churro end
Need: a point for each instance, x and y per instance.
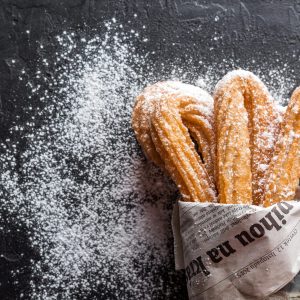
(243, 92)
(141, 127)
(165, 116)
(283, 173)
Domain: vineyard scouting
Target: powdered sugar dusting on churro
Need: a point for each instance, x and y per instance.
(165, 116)
(262, 119)
(284, 168)
(178, 89)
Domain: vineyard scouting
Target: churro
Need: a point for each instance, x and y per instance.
(166, 117)
(238, 148)
(246, 125)
(283, 173)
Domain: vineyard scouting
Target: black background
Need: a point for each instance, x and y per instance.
(254, 33)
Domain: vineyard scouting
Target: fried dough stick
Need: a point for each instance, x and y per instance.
(283, 173)
(246, 125)
(165, 116)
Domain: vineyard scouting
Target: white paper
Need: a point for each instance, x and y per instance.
(236, 251)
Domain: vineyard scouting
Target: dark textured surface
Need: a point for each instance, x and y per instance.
(263, 32)
(260, 30)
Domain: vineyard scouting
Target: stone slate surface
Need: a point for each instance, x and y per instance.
(265, 31)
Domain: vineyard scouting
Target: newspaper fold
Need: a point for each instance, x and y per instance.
(236, 251)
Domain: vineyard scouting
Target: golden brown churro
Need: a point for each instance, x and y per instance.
(283, 174)
(246, 126)
(141, 123)
(165, 117)
(245, 145)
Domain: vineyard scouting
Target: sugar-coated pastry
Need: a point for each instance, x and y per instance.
(167, 117)
(238, 148)
(283, 173)
(246, 125)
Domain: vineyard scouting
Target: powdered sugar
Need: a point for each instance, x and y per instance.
(95, 210)
(179, 89)
(97, 213)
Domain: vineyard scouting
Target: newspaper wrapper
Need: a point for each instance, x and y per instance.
(236, 251)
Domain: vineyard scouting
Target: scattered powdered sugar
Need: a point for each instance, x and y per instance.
(96, 212)
(263, 167)
(276, 79)
(178, 89)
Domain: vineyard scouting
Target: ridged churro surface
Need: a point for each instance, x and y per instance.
(246, 124)
(167, 117)
(238, 148)
(283, 174)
